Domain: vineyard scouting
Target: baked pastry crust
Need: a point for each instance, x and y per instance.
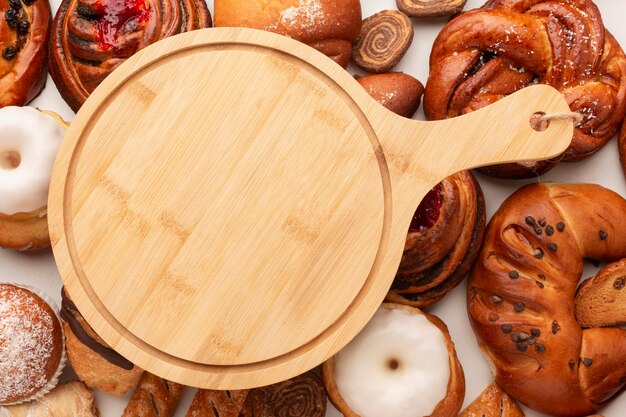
(493, 402)
(72, 399)
(521, 297)
(601, 300)
(213, 403)
(329, 26)
(90, 39)
(22, 76)
(485, 54)
(153, 397)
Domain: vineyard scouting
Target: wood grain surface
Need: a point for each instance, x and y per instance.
(229, 207)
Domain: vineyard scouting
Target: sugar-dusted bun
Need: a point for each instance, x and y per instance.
(493, 402)
(402, 364)
(94, 362)
(31, 345)
(521, 297)
(601, 300)
(329, 26)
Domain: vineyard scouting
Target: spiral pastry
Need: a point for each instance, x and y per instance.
(485, 54)
(430, 8)
(384, 39)
(91, 38)
(302, 396)
(443, 241)
(24, 33)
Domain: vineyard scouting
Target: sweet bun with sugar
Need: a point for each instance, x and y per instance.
(521, 297)
(329, 26)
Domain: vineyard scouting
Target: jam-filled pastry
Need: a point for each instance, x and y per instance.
(94, 362)
(402, 364)
(24, 33)
(29, 142)
(153, 397)
(213, 403)
(485, 54)
(90, 38)
(72, 399)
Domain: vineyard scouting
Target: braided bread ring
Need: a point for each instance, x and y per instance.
(521, 297)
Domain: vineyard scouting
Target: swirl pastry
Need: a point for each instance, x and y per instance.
(329, 26)
(384, 39)
(485, 54)
(442, 243)
(24, 33)
(521, 297)
(430, 8)
(91, 38)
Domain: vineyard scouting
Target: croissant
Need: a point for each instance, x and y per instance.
(521, 297)
(72, 399)
(90, 38)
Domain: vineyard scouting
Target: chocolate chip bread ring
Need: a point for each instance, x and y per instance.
(521, 297)
(601, 299)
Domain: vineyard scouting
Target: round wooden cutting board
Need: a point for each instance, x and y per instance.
(229, 207)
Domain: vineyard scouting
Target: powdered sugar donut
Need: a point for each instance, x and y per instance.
(29, 143)
(403, 364)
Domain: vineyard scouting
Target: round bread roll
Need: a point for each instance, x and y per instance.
(402, 364)
(521, 297)
(329, 26)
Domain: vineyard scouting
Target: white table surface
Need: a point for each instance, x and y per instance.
(39, 270)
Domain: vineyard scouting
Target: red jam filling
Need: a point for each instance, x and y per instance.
(115, 15)
(428, 211)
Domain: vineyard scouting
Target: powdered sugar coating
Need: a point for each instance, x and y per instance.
(29, 329)
(306, 15)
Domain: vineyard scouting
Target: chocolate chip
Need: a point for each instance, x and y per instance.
(560, 226)
(519, 307)
(11, 17)
(555, 327)
(493, 317)
(496, 299)
(542, 222)
(540, 348)
(549, 230)
(535, 332)
(587, 362)
(541, 276)
(23, 27)
(531, 341)
(572, 364)
(552, 247)
(29, 2)
(537, 230)
(530, 220)
(521, 347)
(15, 4)
(513, 274)
(539, 284)
(619, 283)
(9, 53)
(515, 337)
(603, 235)
(538, 253)
(506, 328)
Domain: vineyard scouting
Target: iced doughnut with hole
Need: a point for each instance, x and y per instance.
(29, 143)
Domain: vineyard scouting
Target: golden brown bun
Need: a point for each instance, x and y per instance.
(23, 76)
(601, 300)
(329, 26)
(485, 54)
(521, 297)
(398, 92)
(493, 402)
(622, 147)
(154, 397)
(447, 407)
(72, 399)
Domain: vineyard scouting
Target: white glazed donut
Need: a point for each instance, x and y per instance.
(402, 364)
(29, 143)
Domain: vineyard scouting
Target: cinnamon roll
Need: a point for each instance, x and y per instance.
(91, 38)
(24, 33)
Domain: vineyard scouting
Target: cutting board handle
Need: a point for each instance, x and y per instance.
(498, 133)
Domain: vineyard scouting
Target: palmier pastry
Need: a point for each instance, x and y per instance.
(72, 399)
(402, 364)
(93, 361)
(521, 297)
(443, 242)
(32, 353)
(29, 143)
(329, 26)
(24, 33)
(153, 397)
(493, 402)
(601, 300)
(90, 38)
(485, 54)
